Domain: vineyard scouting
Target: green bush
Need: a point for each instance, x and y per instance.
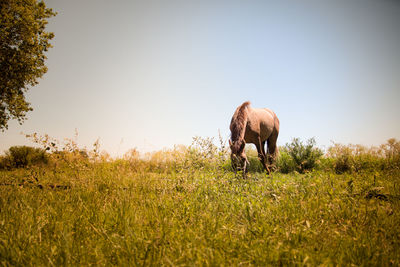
(24, 156)
(285, 163)
(303, 157)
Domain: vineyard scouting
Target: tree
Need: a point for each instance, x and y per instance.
(23, 42)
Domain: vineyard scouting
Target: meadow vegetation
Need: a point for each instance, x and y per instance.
(64, 205)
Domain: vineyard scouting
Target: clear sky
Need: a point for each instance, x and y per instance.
(151, 74)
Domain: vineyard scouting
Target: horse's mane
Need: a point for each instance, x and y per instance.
(238, 123)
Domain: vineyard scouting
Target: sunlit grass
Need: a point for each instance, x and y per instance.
(186, 206)
(110, 213)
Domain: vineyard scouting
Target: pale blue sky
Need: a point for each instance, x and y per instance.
(151, 74)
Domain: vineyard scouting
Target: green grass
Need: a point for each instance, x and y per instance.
(112, 214)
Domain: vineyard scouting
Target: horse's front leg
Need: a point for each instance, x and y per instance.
(244, 169)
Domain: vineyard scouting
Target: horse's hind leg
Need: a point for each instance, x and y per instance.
(262, 155)
(272, 148)
(266, 164)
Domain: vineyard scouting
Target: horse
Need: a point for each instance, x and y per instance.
(257, 126)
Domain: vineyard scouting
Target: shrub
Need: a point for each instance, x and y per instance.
(166, 160)
(391, 151)
(24, 156)
(304, 157)
(285, 163)
(3, 162)
(356, 158)
(203, 153)
(342, 158)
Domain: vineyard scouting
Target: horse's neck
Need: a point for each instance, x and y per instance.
(243, 130)
(242, 127)
(239, 121)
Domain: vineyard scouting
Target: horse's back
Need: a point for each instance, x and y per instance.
(263, 122)
(272, 118)
(265, 116)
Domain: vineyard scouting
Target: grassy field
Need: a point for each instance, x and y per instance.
(122, 212)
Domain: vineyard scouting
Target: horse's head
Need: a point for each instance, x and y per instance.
(238, 157)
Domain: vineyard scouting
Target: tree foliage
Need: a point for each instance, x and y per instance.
(23, 156)
(23, 42)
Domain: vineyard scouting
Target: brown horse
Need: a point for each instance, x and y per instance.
(256, 126)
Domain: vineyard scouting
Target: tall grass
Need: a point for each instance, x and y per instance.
(184, 207)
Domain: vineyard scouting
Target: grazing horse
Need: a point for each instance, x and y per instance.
(256, 126)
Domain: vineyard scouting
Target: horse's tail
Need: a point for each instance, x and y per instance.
(239, 121)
